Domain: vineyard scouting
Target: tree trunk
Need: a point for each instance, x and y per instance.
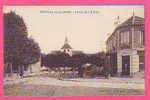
(64, 71)
(18, 71)
(30, 67)
(23, 68)
(60, 74)
(73, 72)
(11, 69)
(5, 69)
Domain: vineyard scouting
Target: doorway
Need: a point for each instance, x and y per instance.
(126, 65)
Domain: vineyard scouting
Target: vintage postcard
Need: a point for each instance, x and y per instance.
(74, 50)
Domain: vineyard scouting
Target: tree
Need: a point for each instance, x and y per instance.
(55, 60)
(96, 59)
(31, 52)
(15, 32)
(19, 50)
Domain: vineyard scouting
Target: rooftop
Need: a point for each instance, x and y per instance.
(134, 20)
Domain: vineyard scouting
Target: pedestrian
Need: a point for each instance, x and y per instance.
(21, 72)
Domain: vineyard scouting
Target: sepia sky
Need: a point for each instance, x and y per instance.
(49, 25)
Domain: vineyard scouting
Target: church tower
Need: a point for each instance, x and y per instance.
(66, 48)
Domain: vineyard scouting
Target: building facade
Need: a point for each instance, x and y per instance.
(125, 46)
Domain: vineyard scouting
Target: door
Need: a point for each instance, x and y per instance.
(125, 65)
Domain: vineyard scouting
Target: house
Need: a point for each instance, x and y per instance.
(125, 47)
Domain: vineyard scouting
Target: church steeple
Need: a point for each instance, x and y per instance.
(66, 48)
(66, 44)
(66, 39)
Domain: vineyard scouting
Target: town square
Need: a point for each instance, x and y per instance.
(74, 50)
